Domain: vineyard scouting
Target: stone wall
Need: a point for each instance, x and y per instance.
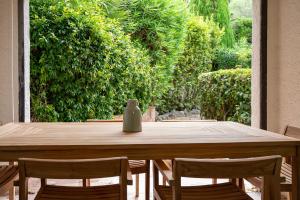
(180, 115)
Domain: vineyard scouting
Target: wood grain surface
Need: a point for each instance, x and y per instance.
(157, 140)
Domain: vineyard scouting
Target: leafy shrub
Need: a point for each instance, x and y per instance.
(226, 58)
(82, 65)
(238, 57)
(226, 95)
(243, 29)
(159, 26)
(203, 38)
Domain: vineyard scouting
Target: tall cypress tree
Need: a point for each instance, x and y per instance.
(219, 9)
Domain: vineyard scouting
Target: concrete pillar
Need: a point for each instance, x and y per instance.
(283, 64)
(9, 109)
(255, 80)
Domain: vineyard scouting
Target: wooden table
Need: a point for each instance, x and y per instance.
(158, 140)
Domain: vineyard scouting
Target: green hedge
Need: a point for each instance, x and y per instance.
(226, 95)
(203, 38)
(82, 64)
(238, 57)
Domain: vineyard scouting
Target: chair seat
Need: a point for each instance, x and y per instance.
(8, 173)
(49, 192)
(223, 191)
(137, 166)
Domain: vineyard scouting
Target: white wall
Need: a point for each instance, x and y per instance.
(8, 61)
(283, 64)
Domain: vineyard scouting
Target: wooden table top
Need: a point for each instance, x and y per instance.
(45, 136)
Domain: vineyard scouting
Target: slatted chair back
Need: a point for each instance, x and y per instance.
(292, 131)
(267, 167)
(72, 169)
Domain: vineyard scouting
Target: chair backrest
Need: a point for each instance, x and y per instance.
(72, 169)
(267, 167)
(292, 131)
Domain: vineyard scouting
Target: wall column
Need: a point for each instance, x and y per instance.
(24, 61)
(9, 83)
(256, 66)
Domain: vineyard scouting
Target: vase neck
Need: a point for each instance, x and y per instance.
(132, 102)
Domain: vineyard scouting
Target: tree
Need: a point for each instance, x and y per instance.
(219, 10)
(159, 27)
(203, 38)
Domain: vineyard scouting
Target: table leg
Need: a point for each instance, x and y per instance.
(296, 175)
(147, 179)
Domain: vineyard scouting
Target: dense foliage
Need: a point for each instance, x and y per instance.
(243, 29)
(82, 65)
(159, 26)
(219, 10)
(226, 95)
(237, 57)
(88, 57)
(203, 38)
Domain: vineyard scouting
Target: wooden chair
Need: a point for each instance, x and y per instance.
(268, 167)
(286, 169)
(137, 167)
(74, 169)
(8, 174)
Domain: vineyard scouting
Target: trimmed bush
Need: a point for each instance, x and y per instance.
(159, 26)
(226, 95)
(203, 38)
(82, 65)
(238, 57)
(242, 28)
(226, 58)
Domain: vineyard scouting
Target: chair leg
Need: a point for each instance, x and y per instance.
(164, 181)
(233, 180)
(214, 181)
(155, 181)
(86, 182)
(12, 190)
(11, 195)
(147, 180)
(289, 196)
(241, 184)
(137, 185)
